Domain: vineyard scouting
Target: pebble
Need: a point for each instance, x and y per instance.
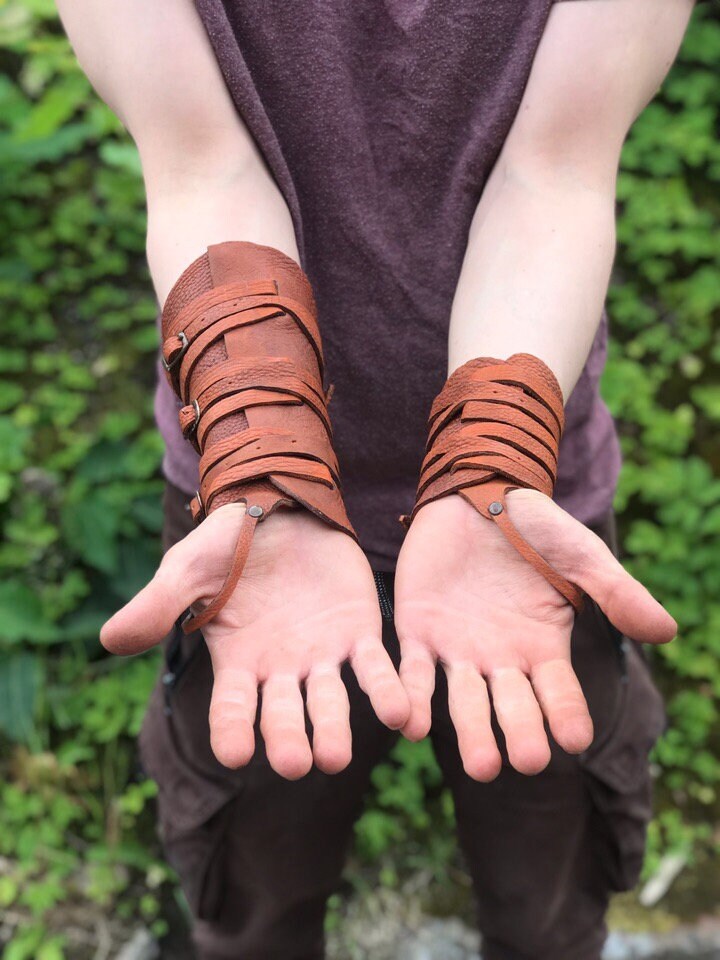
(390, 935)
(141, 946)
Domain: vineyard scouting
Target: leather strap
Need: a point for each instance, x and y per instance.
(496, 426)
(242, 350)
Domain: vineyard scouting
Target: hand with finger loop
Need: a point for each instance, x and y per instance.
(241, 348)
(496, 426)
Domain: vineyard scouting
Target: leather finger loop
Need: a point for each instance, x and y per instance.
(496, 426)
(242, 550)
(243, 353)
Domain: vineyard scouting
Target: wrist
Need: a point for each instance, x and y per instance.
(494, 427)
(242, 350)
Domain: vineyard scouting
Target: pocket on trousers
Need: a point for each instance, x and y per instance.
(195, 792)
(618, 777)
(197, 854)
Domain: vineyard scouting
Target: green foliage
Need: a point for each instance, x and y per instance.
(411, 816)
(662, 385)
(79, 484)
(79, 487)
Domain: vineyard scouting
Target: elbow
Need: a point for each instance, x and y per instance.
(558, 167)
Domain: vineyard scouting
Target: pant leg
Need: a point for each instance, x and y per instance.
(546, 852)
(256, 854)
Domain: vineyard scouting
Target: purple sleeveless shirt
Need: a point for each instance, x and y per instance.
(381, 122)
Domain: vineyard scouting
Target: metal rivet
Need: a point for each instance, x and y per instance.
(495, 508)
(255, 511)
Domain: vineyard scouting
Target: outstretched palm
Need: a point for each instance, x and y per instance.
(305, 604)
(466, 598)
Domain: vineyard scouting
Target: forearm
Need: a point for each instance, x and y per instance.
(536, 269)
(541, 247)
(205, 179)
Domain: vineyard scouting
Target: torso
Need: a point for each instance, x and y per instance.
(381, 122)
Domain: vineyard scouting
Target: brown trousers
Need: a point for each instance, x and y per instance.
(258, 856)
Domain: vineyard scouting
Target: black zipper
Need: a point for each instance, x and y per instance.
(620, 645)
(386, 607)
(175, 662)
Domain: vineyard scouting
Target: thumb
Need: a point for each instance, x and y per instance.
(583, 558)
(193, 569)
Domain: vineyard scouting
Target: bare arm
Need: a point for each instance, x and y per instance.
(542, 243)
(307, 600)
(534, 280)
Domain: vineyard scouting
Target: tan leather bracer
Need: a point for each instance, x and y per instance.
(496, 426)
(242, 350)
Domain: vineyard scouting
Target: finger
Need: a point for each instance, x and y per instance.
(417, 673)
(562, 701)
(583, 558)
(622, 598)
(282, 723)
(470, 713)
(378, 678)
(520, 719)
(232, 716)
(193, 567)
(149, 616)
(329, 710)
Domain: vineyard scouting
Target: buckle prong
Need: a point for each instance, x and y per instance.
(184, 344)
(194, 425)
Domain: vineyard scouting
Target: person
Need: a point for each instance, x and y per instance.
(445, 173)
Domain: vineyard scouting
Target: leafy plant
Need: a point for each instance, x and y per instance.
(80, 487)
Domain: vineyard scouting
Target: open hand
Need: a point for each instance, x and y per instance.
(465, 596)
(305, 604)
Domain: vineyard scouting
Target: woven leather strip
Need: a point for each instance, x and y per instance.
(496, 426)
(242, 350)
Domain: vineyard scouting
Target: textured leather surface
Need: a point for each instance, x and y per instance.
(496, 426)
(243, 352)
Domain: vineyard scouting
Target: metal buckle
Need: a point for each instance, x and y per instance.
(193, 426)
(201, 513)
(184, 344)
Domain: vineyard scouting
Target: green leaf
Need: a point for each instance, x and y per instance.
(90, 527)
(57, 105)
(123, 156)
(22, 616)
(21, 677)
(707, 397)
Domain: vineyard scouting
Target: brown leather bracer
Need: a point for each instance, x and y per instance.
(242, 350)
(496, 426)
